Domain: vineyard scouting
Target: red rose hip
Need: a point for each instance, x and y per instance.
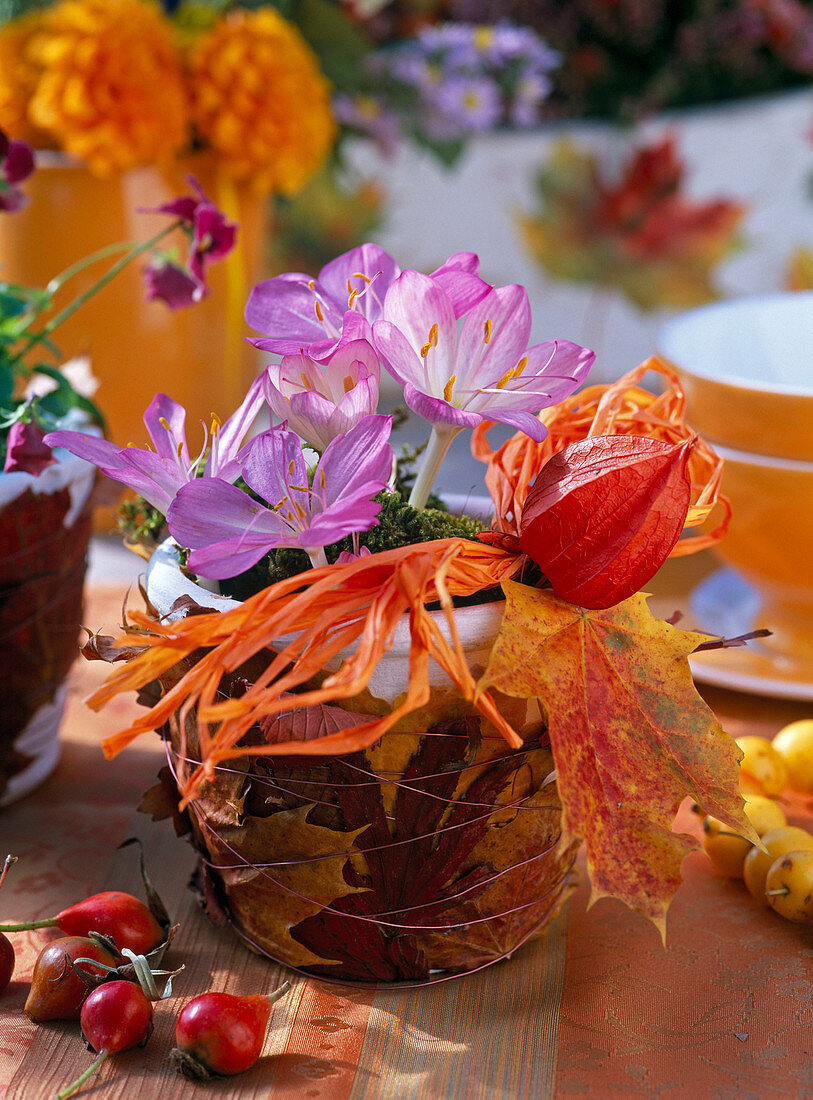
(221, 1034)
(112, 913)
(115, 1017)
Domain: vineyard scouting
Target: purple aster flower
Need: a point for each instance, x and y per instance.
(168, 282)
(529, 93)
(26, 451)
(321, 401)
(412, 67)
(158, 474)
(16, 165)
(229, 531)
(505, 42)
(300, 313)
(468, 104)
(371, 117)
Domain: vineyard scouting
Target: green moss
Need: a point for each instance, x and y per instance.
(399, 525)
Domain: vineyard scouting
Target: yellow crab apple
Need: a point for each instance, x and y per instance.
(777, 842)
(789, 886)
(794, 743)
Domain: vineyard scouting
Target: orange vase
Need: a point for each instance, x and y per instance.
(137, 348)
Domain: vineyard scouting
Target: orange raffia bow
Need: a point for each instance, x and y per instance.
(623, 408)
(326, 610)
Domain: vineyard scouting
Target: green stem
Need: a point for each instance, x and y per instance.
(318, 557)
(433, 456)
(86, 261)
(275, 996)
(77, 1084)
(27, 925)
(134, 252)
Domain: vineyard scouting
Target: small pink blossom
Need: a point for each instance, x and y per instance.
(212, 238)
(26, 451)
(16, 165)
(168, 282)
(321, 401)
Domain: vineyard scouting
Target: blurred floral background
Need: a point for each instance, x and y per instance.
(622, 158)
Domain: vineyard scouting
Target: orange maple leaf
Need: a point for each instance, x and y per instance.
(631, 737)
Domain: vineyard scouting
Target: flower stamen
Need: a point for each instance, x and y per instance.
(432, 342)
(448, 388)
(487, 331)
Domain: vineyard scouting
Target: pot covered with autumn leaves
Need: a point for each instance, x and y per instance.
(389, 727)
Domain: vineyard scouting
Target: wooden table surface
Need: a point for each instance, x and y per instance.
(597, 1008)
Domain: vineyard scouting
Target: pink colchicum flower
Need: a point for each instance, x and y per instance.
(158, 474)
(229, 531)
(26, 451)
(321, 401)
(300, 313)
(486, 372)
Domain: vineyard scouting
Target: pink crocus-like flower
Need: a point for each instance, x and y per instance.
(300, 313)
(321, 401)
(26, 451)
(487, 371)
(158, 474)
(229, 531)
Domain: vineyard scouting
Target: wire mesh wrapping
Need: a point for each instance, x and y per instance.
(433, 853)
(42, 572)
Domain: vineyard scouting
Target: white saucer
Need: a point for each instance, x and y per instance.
(726, 605)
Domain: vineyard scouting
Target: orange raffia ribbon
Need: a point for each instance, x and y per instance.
(319, 614)
(622, 408)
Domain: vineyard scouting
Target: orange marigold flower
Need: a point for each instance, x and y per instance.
(111, 89)
(18, 80)
(260, 100)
